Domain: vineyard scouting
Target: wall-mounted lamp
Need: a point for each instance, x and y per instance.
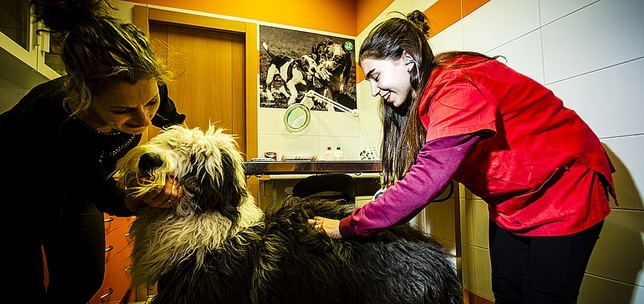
(298, 116)
(317, 96)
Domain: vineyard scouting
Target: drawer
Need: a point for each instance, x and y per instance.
(116, 281)
(116, 241)
(114, 222)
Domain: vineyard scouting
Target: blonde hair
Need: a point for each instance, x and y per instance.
(97, 49)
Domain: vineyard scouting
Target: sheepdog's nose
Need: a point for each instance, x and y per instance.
(148, 162)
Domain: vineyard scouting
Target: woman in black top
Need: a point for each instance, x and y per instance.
(60, 145)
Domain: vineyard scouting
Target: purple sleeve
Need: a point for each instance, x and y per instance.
(435, 166)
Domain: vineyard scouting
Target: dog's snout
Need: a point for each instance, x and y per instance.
(149, 162)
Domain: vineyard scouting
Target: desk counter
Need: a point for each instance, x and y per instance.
(312, 167)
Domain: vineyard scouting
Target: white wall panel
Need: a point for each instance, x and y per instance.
(603, 34)
(296, 143)
(363, 88)
(370, 119)
(619, 252)
(265, 143)
(449, 39)
(555, 9)
(441, 219)
(523, 55)
(277, 116)
(478, 274)
(597, 290)
(475, 222)
(499, 22)
(626, 155)
(266, 120)
(610, 100)
(337, 124)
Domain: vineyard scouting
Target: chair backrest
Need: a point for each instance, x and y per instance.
(332, 186)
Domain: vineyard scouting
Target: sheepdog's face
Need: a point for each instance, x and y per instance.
(207, 165)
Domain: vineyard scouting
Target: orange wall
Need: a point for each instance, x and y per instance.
(368, 10)
(444, 13)
(348, 17)
(334, 16)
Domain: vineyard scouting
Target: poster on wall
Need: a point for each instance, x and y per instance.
(293, 64)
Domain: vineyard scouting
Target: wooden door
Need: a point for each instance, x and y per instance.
(208, 66)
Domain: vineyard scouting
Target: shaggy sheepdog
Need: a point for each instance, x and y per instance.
(217, 246)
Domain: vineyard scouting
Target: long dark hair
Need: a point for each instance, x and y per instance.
(403, 132)
(97, 49)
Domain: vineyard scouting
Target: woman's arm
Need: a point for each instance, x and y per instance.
(435, 166)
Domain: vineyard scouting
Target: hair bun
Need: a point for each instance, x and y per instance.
(65, 15)
(420, 21)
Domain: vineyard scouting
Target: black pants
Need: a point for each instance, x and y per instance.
(546, 270)
(75, 249)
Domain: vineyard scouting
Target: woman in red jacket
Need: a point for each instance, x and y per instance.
(467, 117)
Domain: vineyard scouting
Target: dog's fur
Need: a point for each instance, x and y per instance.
(217, 246)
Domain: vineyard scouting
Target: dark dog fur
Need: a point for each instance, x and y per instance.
(216, 246)
(285, 261)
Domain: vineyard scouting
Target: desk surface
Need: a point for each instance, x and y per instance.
(311, 167)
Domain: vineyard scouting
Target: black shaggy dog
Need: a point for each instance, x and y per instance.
(217, 246)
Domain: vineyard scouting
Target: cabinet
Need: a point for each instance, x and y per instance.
(116, 281)
(27, 55)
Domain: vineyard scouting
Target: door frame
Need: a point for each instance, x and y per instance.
(142, 15)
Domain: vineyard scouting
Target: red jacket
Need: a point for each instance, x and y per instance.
(544, 170)
(540, 168)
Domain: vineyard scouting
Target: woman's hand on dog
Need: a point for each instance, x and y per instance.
(164, 197)
(330, 226)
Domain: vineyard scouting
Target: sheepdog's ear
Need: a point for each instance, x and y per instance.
(223, 193)
(219, 175)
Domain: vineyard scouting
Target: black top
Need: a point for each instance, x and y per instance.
(54, 161)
